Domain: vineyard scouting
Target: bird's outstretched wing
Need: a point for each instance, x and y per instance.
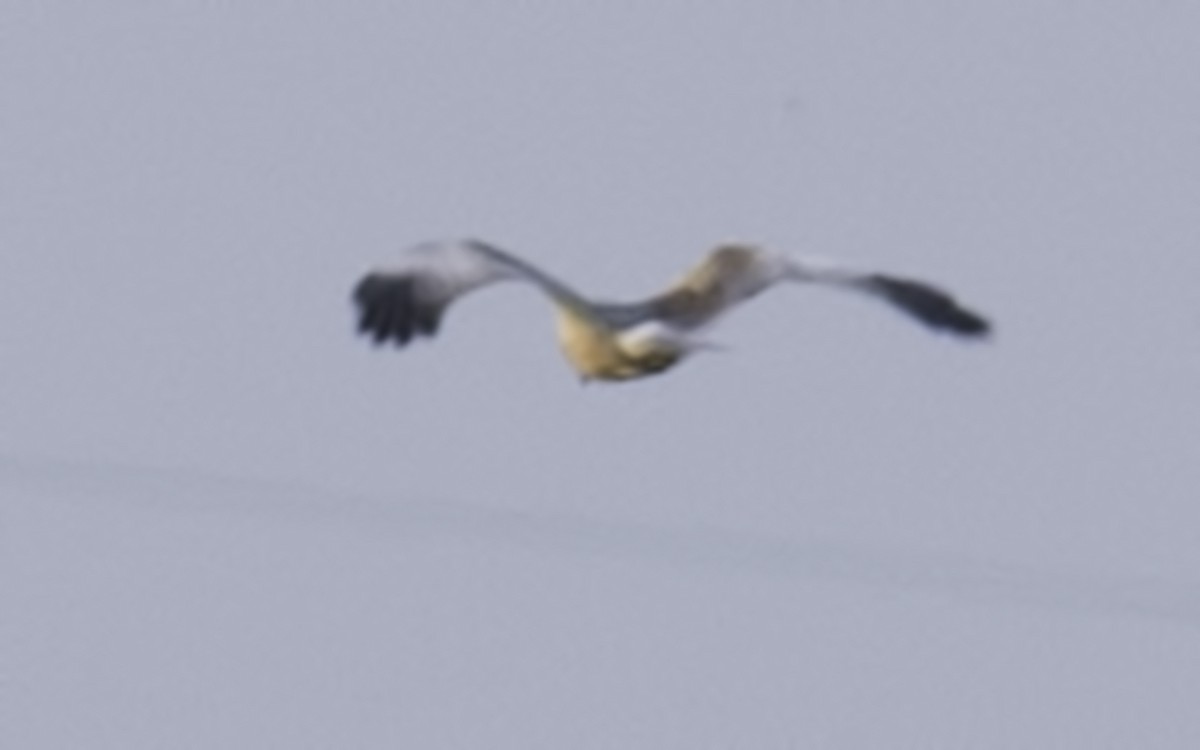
(732, 274)
(729, 275)
(408, 300)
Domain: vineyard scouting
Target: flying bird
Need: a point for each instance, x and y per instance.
(623, 341)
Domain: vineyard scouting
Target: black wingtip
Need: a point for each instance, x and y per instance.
(932, 306)
(390, 309)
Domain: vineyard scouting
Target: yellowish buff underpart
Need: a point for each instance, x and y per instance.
(595, 352)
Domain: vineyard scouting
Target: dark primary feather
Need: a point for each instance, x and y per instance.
(930, 305)
(392, 307)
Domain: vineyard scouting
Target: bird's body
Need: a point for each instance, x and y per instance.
(607, 341)
(592, 347)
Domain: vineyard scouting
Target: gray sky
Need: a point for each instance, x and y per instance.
(228, 523)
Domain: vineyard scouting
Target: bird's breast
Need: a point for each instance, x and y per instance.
(592, 348)
(597, 352)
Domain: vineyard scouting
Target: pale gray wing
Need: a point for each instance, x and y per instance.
(735, 273)
(729, 275)
(408, 300)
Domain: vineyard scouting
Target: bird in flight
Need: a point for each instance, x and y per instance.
(623, 341)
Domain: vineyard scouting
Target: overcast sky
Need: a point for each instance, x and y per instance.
(227, 522)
